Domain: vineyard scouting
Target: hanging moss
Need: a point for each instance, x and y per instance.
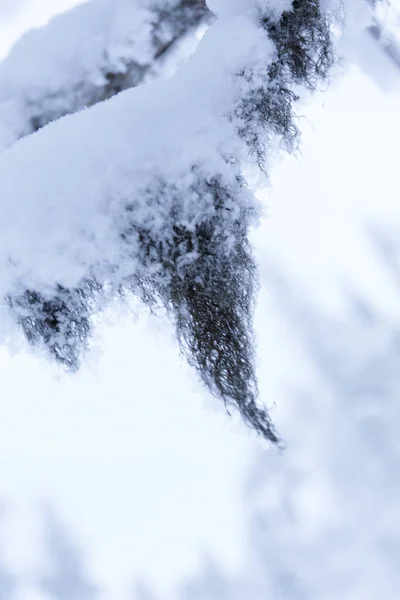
(303, 56)
(199, 263)
(60, 322)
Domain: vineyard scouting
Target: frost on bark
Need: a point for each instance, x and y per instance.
(199, 264)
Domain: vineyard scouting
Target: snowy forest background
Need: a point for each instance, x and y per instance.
(127, 481)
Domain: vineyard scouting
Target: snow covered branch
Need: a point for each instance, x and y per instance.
(87, 55)
(127, 196)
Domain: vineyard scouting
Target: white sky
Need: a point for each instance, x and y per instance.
(131, 452)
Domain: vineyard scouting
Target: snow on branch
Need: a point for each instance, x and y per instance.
(146, 193)
(87, 55)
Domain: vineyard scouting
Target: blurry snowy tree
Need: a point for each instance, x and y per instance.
(8, 580)
(66, 577)
(386, 19)
(149, 192)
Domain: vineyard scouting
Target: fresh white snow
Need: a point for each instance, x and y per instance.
(56, 70)
(153, 481)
